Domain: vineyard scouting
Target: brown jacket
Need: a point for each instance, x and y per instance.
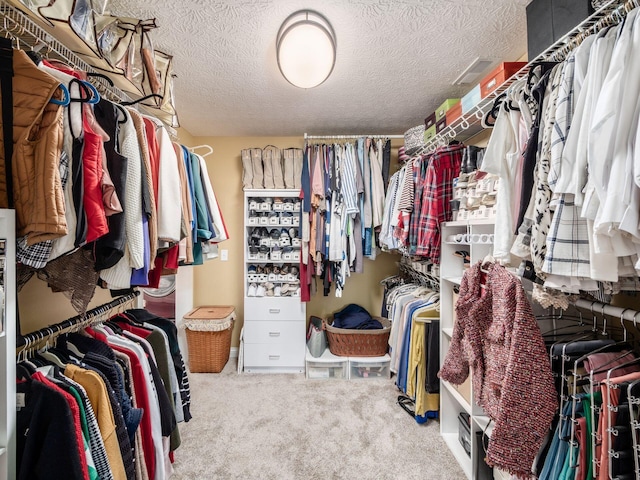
(37, 137)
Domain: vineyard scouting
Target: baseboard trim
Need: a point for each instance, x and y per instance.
(234, 352)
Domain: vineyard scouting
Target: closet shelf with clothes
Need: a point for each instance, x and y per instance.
(414, 311)
(596, 367)
(472, 122)
(114, 388)
(107, 208)
(568, 194)
(343, 197)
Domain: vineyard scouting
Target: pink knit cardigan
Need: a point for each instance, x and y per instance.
(496, 335)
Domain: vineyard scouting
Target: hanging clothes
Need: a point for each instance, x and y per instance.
(503, 344)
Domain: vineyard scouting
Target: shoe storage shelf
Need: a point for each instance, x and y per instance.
(463, 243)
(274, 317)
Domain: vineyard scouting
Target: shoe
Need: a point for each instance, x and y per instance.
(285, 239)
(466, 258)
(489, 199)
(285, 288)
(251, 292)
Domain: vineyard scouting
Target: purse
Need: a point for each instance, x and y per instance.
(414, 140)
(316, 337)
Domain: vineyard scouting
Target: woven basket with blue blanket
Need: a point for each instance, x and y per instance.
(353, 332)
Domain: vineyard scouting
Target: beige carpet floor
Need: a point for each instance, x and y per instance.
(283, 426)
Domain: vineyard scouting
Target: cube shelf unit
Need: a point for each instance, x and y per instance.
(473, 237)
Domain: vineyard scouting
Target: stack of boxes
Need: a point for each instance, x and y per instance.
(453, 108)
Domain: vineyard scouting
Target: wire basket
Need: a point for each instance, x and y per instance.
(346, 342)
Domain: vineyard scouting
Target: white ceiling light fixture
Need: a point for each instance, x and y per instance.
(306, 49)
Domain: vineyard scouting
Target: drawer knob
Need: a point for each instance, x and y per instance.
(274, 334)
(274, 310)
(274, 357)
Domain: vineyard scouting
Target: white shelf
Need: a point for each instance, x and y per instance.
(456, 394)
(252, 262)
(455, 280)
(277, 225)
(451, 439)
(476, 221)
(448, 331)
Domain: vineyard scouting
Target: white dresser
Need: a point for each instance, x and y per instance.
(274, 333)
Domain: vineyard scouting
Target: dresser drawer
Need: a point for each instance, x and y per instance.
(272, 308)
(276, 355)
(279, 331)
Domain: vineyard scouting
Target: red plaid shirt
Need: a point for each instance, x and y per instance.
(443, 167)
(419, 177)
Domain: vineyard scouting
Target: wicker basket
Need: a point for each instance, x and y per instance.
(208, 331)
(346, 342)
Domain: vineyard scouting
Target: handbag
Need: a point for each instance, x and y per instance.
(414, 140)
(316, 337)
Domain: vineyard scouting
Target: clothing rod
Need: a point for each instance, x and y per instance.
(70, 322)
(606, 309)
(344, 137)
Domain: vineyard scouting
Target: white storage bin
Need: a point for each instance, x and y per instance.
(296, 242)
(274, 220)
(253, 221)
(296, 207)
(264, 221)
(265, 206)
(295, 220)
(369, 367)
(326, 366)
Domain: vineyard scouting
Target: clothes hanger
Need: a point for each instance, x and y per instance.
(208, 147)
(84, 87)
(66, 98)
(142, 99)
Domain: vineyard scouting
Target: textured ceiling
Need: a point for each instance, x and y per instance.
(396, 61)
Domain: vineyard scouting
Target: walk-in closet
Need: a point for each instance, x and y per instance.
(369, 239)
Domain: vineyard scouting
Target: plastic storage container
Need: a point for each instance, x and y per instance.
(369, 367)
(208, 331)
(327, 365)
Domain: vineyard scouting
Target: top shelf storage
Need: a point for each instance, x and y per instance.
(470, 123)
